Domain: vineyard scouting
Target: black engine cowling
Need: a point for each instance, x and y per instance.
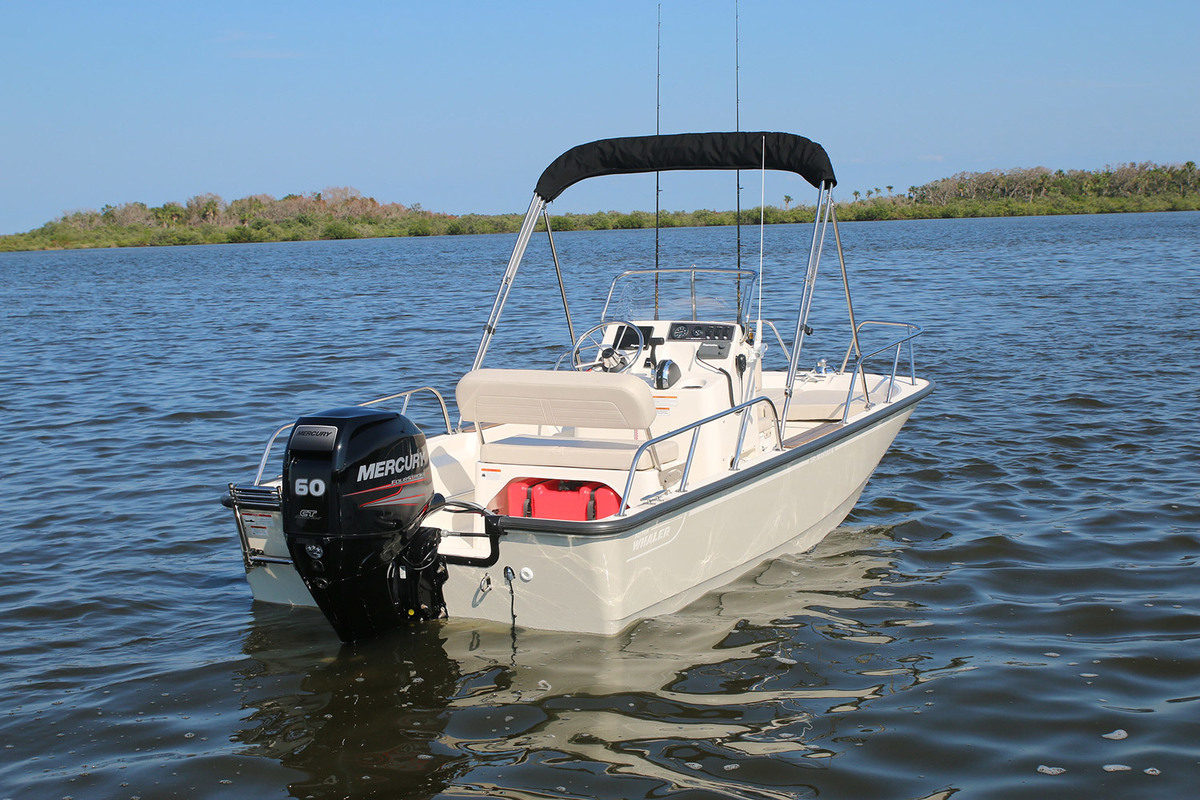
(356, 486)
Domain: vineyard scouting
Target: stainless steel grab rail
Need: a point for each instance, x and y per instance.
(912, 332)
(695, 428)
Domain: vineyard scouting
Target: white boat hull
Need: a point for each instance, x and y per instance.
(603, 583)
(662, 558)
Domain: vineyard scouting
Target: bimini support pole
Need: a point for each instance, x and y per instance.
(824, 206)
(510, 273)
(562, 289)
(837, 237)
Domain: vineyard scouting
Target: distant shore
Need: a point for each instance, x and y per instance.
(344, 213)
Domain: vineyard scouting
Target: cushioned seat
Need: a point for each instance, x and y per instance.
(588, 400)
(563, 451)
(538, 397)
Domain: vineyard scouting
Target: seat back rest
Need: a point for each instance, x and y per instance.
(564, 399)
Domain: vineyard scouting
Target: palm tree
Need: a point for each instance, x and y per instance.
(787, 201)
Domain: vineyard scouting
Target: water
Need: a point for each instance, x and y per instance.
(1018, 583)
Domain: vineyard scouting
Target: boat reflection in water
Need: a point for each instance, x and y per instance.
(748, 688)
(370, 716)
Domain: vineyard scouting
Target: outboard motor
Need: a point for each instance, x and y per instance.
(356, 487)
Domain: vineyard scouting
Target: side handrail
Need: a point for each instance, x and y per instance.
(262, 464)
(695, 428)
(407, 395)
(778, 337)
(912, 332)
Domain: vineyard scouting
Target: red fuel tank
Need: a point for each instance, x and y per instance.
(557, 499)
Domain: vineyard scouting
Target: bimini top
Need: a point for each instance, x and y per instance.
(741, 150)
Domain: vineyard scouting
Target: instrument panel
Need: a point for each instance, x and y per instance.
(700, 332)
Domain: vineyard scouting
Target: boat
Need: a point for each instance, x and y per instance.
(657, 459)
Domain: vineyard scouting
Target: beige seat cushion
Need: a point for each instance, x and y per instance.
(569, 399)
(561, 451)
(561, 399)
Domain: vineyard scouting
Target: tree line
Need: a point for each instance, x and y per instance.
(1037, 191)
(344, 213)
(1124, 181)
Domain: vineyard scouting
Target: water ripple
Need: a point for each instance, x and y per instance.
(1017, 582)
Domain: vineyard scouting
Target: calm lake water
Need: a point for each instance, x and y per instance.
(1013, 609)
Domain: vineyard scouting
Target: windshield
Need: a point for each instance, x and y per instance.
(680, 294)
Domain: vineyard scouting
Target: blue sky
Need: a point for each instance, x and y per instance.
(459, 106)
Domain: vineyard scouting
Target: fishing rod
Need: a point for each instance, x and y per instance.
(737, 126)
(657, 131)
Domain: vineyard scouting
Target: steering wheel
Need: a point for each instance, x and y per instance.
(609, 359)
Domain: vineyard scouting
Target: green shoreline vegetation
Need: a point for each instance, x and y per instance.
(344, 213)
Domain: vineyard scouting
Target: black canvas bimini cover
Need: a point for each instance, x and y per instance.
(740, 150)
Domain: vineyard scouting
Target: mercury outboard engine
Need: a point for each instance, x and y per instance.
(356, 487)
